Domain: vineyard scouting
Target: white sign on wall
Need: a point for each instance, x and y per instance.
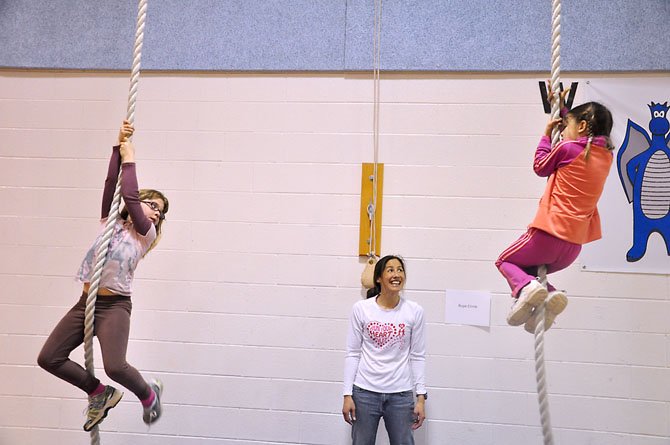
(468, 307)
(635, 222)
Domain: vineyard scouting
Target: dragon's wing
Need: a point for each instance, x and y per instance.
(636, 141)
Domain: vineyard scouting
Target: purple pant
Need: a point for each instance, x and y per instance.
(112, 326)
(520, 261)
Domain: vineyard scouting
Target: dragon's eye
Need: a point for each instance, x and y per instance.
(658, 114)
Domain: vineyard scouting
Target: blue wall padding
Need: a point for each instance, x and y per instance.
(246, 35)
(66, 33)
(459, 35)
(334, 35)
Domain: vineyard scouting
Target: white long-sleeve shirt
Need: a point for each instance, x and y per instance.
(386, 348)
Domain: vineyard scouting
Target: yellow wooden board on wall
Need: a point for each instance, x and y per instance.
(367, 191)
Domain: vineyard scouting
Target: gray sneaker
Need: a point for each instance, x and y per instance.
(99, 406)
(153, 413)
(531, 296)
(554, 305)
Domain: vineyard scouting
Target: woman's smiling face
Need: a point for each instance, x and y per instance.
(392, 278)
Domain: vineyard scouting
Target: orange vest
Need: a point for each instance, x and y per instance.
(568, 209)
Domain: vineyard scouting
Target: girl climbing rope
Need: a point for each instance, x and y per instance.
(567, 216)
(136, 232)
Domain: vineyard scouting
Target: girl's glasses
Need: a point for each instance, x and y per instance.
(153, 206)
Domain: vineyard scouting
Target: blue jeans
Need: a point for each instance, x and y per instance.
(397, 409)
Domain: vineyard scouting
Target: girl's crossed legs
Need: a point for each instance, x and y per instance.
(519, 262)
(112, 327)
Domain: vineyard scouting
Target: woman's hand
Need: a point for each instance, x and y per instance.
(419, 412)
(125, 132)
(349, 410)
(127, 151)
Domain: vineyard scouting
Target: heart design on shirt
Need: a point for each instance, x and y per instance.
(383, 334)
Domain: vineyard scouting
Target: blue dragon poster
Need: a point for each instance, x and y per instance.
(635, 206)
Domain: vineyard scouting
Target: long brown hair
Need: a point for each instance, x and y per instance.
(144, 195)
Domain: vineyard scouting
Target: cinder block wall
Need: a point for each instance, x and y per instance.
(242, 308)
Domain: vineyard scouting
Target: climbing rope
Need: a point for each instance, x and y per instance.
(103, 246)
(555, 65)
(540, 372)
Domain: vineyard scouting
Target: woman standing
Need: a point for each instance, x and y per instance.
(385, 360)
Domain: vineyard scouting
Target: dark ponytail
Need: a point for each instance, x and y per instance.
(598, 119)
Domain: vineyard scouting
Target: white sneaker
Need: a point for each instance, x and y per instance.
(531, 296)
(99, 406)
(152, 413)
(555, 304)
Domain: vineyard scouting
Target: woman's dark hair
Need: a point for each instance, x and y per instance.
(379, 269)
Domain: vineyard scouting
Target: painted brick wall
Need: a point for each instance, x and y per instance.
(242, 308)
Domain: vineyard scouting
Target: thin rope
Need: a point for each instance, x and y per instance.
(540, 372)
(103, 246)
(376, 49)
